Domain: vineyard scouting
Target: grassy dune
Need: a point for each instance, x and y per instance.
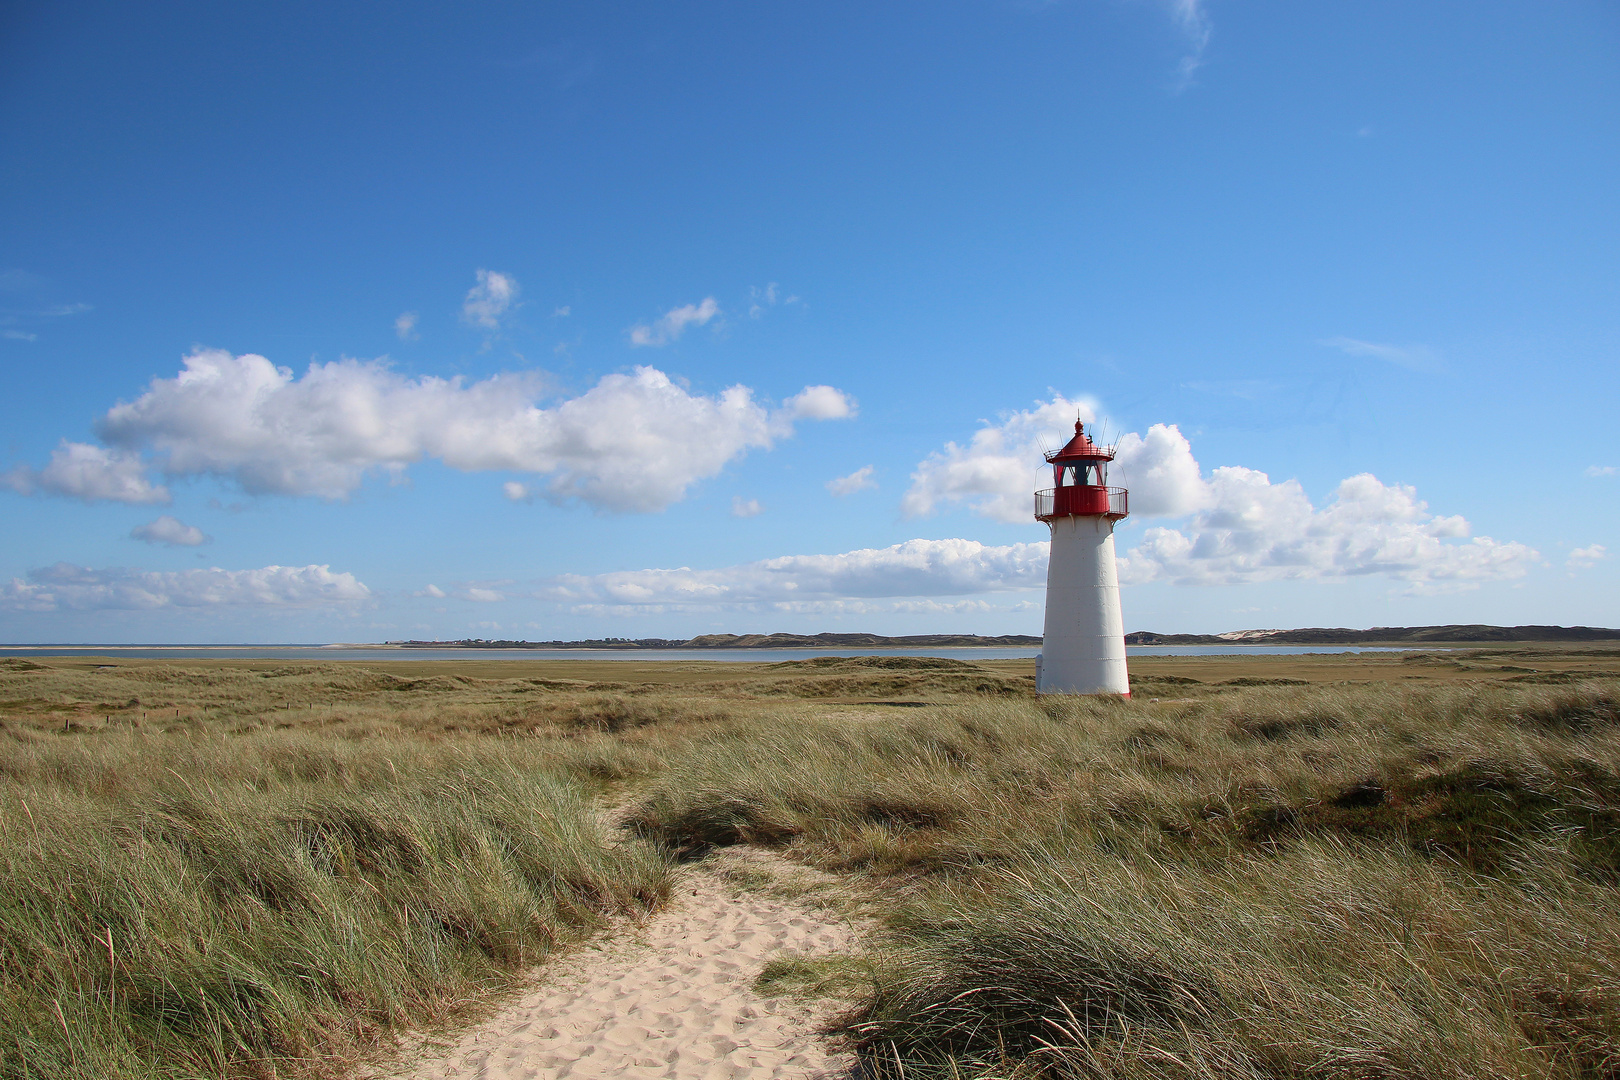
(235, 898)
(1279, 882)
(1392, 867)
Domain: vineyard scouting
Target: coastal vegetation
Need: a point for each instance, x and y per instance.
(1404, 865)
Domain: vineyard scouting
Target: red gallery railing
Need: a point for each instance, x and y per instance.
(1066, 501)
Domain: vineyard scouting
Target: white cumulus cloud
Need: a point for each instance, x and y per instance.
(1161, 473)
(998, 470)
(82, 588)
(1241, 527)
(820, 403)
(171, 531)
(1602, 470)
(1586, 557)
(1254, 530)
(859, 480)
(633, 442)
(488, 301)
(673, 323)
(405, 326)
(91, 473)
(745, 508)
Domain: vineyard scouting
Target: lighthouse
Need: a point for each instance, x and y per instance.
(1084, 647)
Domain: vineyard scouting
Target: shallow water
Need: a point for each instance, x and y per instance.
(322, 653)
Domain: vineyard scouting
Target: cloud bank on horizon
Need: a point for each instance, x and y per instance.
(1237, 527)
(1253, 531)
(638, 442)
(917, 568)
(66, 586)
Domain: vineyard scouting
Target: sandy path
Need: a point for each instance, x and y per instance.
(673, 999)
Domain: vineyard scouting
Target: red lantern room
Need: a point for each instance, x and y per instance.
(1080, 471)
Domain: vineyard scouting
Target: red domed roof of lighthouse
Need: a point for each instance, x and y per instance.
(1081, 448)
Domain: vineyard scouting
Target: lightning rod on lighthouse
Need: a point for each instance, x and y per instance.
(1083, 651)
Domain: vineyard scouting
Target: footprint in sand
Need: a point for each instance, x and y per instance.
(674, 1001)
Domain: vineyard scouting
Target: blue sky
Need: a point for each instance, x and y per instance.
(356, 321)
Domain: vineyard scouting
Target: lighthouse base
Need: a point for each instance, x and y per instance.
(1083, 651)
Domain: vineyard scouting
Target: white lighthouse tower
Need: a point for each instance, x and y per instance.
(1084, 647)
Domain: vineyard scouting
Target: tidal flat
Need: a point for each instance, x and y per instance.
(1365, 865)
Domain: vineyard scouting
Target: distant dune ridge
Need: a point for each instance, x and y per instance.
(749, 641)
(1378, 635)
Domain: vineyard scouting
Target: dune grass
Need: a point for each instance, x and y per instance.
(279, 904)
(1270, 882)
(271, 870)
(1325, 959)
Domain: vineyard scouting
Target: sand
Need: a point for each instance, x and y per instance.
(672, 998)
